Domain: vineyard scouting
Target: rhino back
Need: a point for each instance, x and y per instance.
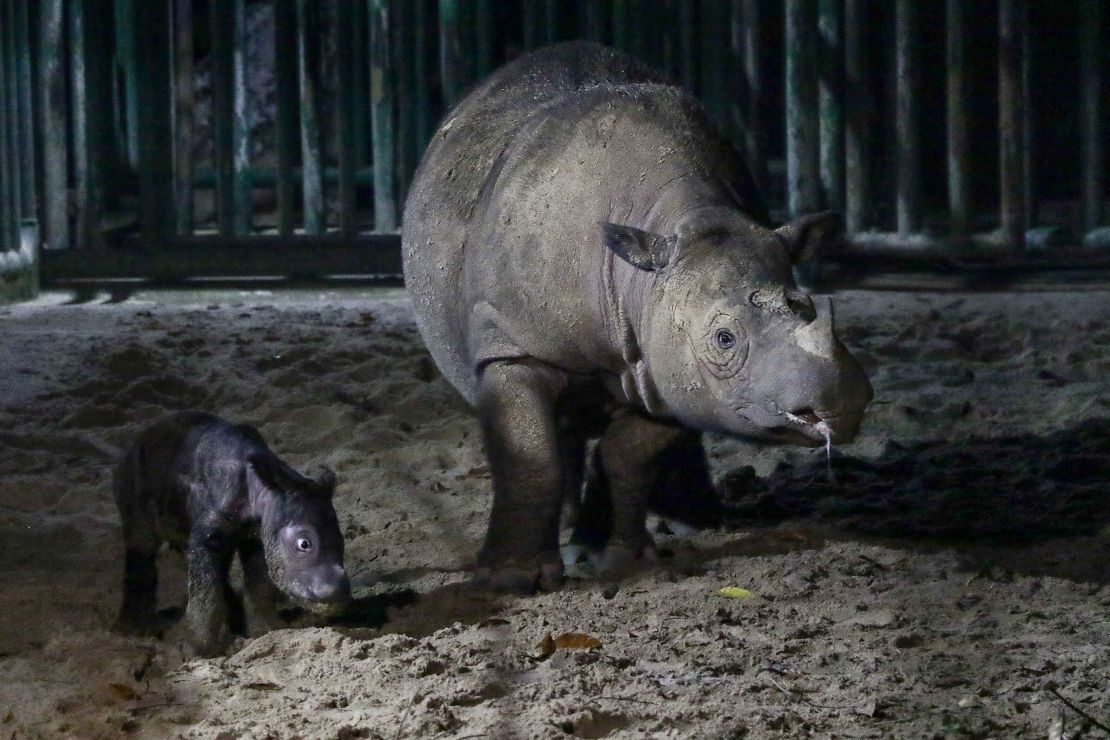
(502, 215)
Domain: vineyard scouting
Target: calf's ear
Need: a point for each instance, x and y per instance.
(807, 236)
(325, 482)
(276, 475)
(639, 248)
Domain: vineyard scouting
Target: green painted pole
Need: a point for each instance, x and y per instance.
(183, 115)
(541, 23)
(1011, 119)
(830, 30)
(308, 67)
(381, 116)
(52, 83)
(360, 50)
(345, 114)
(288, 141)
(802, 131)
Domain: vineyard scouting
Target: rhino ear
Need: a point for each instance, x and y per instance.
(637, 247)
(807, 236)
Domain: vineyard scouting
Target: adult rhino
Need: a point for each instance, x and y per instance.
(588, 256)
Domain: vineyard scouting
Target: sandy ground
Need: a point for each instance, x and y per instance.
(952, 582)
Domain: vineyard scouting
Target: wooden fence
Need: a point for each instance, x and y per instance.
(168, 138)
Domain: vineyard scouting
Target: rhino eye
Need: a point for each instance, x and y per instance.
(304, 544)
(725, 339)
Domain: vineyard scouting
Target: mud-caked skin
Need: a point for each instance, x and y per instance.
(587, 255)
(214, 490)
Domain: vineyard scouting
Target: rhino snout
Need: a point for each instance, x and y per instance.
(325, 588)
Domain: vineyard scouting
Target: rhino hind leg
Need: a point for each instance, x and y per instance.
(517, 410)
(641, 466)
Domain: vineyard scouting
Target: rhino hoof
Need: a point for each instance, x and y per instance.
(544, 574)
(620, 560)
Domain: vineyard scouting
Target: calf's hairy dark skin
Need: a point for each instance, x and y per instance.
(578, 228)
(214, 489)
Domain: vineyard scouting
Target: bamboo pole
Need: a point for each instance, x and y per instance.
(908, 148)
(592, 19)
(53, 95)
(857, 160)
(715, 22)
(88, 213)
(229, 116)
(1011, 118)
(288, 143)
(959, 193)
(457, 39)
(423, 118)
(802, 145)
(688, 45)
(381, 116)
(308, 70)
(183, 115)
(485, 23)
(830, 100)
(1091, 17)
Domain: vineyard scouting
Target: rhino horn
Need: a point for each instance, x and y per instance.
(818, 337)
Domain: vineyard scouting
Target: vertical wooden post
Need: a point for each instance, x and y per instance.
(802, 142)
(857, 162)
(183, 113)
(423, 119)
(88, 212)
(288, 143)
(688, 33)
(456, 47)
(308, 71)
(153, 64)
(715, 22)
(907, 150)
(229, 115)
(1091, 16)
(408, 64)
(540, 23)
(128, 68)
(831, 99)
(345, 115)
(9, 174)
(1011, 118)
(52, 83)
(381, 116)
(25, 111)
(592, 19)
(959, 192)
(748, 107)
(360, 46)
(485, 22)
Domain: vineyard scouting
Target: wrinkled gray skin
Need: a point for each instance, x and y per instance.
(214, 489)
(588, 256)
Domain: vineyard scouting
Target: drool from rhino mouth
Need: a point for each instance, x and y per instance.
(812, 420)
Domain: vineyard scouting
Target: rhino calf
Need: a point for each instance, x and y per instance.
(588, 256)
(214, 489)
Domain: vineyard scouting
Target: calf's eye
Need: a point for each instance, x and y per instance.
(304, 544)
(725, 339)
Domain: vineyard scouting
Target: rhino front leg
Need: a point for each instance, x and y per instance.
(631, 454)
(516, 407)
